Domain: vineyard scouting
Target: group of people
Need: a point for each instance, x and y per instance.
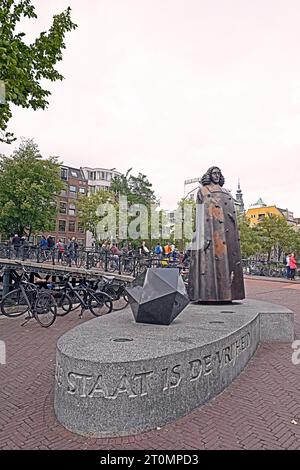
(60, 248)
(291, 266)
(167, 251)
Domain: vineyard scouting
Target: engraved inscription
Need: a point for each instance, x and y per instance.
(171, 377)
(88, 386)
(58, 374)
(141, 384)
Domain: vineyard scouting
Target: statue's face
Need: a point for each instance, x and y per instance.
(215, 176)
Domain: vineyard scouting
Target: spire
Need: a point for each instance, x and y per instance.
(239, 198)
(259, 203)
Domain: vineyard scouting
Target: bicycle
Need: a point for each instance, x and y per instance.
(39, 304)
(98, 303)
(116, 290)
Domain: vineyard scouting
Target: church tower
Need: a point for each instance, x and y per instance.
(239, 199)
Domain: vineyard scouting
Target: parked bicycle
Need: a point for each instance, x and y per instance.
(97, 302)
(116, 291)
(28, 299)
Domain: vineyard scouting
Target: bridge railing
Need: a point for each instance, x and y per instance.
(132, 264)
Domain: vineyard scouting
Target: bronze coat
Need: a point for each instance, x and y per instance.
(216, 270)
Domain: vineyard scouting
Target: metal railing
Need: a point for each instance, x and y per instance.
(131, 264)
(265, 268)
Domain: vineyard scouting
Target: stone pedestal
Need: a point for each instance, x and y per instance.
(117, 377)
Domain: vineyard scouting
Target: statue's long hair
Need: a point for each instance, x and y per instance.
(206, 178)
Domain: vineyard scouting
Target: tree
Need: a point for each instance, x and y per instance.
(187, 211)
(138, 189)
(88, 211)
(250, 241)
(24, 66)
(29, 186)
(276, 236)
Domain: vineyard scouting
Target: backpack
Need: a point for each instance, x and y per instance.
(60, 247)
(158, 250)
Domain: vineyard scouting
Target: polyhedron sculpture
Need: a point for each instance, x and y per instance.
(157, 296)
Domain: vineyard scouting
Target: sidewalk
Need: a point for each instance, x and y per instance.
(273, 279)
(259, 410)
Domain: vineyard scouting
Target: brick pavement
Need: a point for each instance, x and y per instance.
(257, 411)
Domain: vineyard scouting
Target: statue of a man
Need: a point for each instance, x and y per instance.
(215, 270)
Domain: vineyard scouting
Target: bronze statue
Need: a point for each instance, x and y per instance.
(216, 273)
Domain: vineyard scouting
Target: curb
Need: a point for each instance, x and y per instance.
(272, 279)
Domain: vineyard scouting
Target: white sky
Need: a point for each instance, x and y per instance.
(171, 87)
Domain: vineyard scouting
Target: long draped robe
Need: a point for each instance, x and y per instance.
(215, 270)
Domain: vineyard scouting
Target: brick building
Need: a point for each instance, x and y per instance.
(67, 224)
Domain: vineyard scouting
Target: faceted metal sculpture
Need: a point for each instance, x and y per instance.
(216, 273)
(157, 296)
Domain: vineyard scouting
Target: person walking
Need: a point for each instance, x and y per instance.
(144, 250)
(293, 266)
(168, 250)
(158, 250)
(287, 263)
(71, 251)
(60, 247)
(16, 243)
(43, 247)
(116, 253)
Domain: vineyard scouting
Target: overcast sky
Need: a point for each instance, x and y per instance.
(171, 87)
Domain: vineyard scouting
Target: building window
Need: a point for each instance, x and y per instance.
(261, 217)
(80, 228)
(74, 174)
(82, 190)
(71, 225)
(80, 241)
(62, 207)
(73, 191)
(72, 209)
(64, 173)
(61, 225)
(63, 192)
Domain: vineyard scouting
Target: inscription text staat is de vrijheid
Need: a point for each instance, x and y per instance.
(140, 384)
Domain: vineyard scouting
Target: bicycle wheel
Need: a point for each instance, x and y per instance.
(79, 261)
(14, 304)
(64, 260)
(112, 266)
(100, 304)
(74, 299)
(121, 302)
(118, 296)
(63, 302)
(45, 309)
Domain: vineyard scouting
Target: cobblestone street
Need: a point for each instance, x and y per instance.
(259, 410)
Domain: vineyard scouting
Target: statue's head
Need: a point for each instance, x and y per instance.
(213, 175)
